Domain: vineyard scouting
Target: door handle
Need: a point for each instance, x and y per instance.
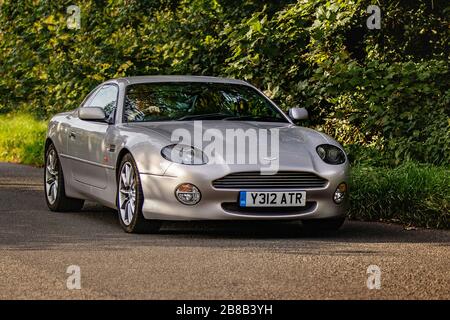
(72, 135)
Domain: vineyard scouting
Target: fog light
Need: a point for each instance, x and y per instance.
(339, 194)
(188, 194)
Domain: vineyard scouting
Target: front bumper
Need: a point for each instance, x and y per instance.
(221, 204)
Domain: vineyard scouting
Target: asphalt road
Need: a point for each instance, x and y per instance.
(204, 260)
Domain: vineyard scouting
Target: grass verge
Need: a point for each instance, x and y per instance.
(411, 194)
(22, 139)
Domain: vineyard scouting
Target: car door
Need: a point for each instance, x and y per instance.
(87, 140)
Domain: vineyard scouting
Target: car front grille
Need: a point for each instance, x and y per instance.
(280, 180)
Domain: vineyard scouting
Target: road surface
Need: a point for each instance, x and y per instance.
(204, 260)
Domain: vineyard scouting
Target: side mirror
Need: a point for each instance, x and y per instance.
(91, 114)
(298, 114)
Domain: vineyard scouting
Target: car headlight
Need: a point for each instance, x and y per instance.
(184, 154)
(330, 154)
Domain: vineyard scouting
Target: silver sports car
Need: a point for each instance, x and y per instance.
(193, 148)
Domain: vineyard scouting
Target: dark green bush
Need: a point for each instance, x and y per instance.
(401, 110)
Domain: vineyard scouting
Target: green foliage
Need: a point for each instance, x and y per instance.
(22, 139)
(383, 93)
(400, 109)
(409, 194)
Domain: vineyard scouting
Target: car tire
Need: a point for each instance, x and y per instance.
(314, 226)
(130, 199)
(55, 193)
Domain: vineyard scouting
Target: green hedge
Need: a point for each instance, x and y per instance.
(409, 194)
(387, 113)
(383, 93)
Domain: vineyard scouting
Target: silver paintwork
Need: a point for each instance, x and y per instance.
(298, 114)
(90, 153)
(92, 113)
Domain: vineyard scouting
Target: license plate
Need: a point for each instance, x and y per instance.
(272, 199)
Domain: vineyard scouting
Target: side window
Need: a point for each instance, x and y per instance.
(105, 98)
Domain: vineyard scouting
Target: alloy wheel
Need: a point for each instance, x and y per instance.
(127, 193)
(51, 177)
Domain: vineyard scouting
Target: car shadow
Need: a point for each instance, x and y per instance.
(351, 232)
(97, 228)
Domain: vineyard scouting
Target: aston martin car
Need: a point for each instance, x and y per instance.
(162, 148)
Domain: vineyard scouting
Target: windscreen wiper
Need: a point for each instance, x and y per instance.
(253, 118)
(215, 116)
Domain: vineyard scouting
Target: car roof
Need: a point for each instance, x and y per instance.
(151, 79)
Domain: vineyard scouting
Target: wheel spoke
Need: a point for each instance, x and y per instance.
(132, 206)
(128, 175)
(130, 211)
(124, 179)
(50, 160)
(132, 180)
(54, 191)
(51, 193)
(50, 188)
(123, 215)
(127, 212)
